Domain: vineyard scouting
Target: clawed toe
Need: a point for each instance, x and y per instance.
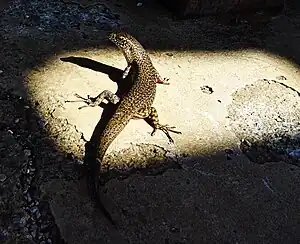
(78, 96)
(170, 128)
(174, 131)
(165, 129)
(82, 99)
(165, 81)
(88, 101)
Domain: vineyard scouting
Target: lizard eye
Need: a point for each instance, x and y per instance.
(121, 40)
(112, 34)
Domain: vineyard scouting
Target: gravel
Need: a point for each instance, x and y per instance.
(28, 215)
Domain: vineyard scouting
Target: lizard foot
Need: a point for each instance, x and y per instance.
(96, 101)
(89, 101)
(165, 129)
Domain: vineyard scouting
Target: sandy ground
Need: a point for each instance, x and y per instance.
(231, 177)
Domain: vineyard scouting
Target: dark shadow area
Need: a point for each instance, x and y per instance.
(29, 157)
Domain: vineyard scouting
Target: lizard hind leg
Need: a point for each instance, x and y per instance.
(153, 121)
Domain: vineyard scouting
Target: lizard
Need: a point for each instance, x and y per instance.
(135, 104)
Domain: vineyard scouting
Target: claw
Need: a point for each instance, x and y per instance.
(163, 81)
(78, 96)
(82, 99)
(87, 100)
(165, 129)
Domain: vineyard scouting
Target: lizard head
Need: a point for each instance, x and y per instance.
(120, 39)
(124, 40)
(131, 48)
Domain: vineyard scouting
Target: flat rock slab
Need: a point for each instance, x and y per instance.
(219, 198)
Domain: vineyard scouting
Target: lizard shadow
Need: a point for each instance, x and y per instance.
(113, 73)
(91, 164)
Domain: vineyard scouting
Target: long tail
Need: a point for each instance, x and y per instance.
(92, 174)
(94, 154)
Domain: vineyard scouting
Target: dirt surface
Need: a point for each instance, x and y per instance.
(231, 177)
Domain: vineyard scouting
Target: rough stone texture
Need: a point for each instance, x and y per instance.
(254, 105)
(185, 8)
(203, 188)
(260, 116)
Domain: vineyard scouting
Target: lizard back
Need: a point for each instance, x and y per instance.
(140, 96)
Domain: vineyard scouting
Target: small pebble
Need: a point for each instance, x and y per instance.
(42, 123)
(281, 77)
(4, 234)
(44, 226)
(27, 152)
(23, 221)
(38, 215)
(32, 169)
(28, 198)
(33, 234)
(34, 209)
(174, 229)
(2, 177)
(32, 204)
(229, 151)
(295, 153)
(80, 162)
(206, 89)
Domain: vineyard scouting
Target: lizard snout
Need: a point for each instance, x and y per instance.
(112, 36)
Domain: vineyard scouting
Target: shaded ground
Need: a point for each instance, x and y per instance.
(189, 193)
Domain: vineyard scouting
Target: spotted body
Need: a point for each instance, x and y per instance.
(138, 101)
(136, 104)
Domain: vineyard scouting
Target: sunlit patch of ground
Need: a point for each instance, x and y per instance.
(199, 115)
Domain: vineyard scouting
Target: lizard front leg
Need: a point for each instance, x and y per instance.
(151, 117)
(96, 101)
(126, 71)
